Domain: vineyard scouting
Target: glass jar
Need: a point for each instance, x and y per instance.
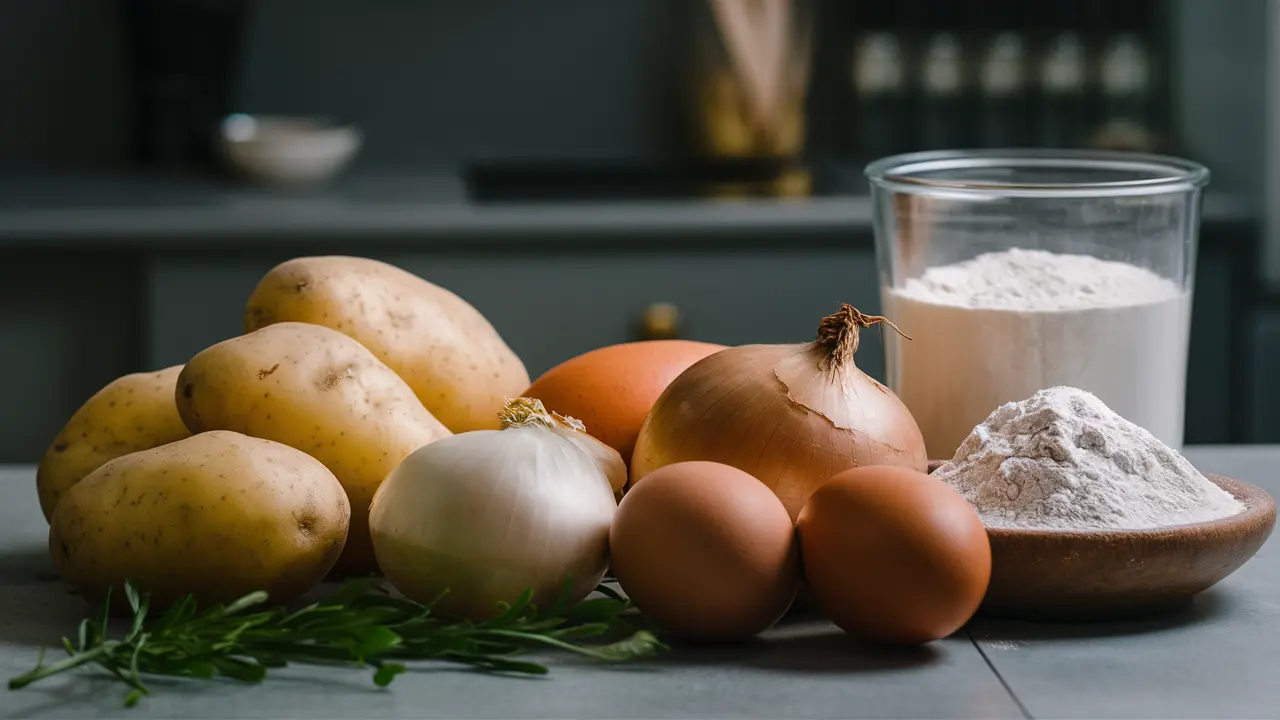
(1017, 270)
(747, 80)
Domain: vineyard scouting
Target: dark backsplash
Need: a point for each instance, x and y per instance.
(431, 83)
(440, 83)
(63, 85)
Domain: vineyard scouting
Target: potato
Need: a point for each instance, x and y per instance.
(216, 515)
(321, 392)
(456, 363)
(132, 413)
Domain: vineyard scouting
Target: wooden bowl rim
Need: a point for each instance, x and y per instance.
(1259, 509)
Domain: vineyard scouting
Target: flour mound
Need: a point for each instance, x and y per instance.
(1038, 280)
(1063, 460)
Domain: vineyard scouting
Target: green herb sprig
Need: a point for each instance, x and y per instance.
(361, 625)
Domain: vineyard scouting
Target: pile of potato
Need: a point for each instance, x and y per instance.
(252, 467)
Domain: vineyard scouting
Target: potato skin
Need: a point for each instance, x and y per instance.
(216, 515)
(131, 413)
(319, 391)
(452, 357)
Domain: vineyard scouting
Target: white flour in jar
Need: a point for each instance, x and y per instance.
(1063, 460)
(1003, 325)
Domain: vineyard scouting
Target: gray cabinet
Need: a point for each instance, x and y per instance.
(67, 327)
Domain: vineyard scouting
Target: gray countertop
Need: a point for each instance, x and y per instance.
(125, 211)
(1217, 659)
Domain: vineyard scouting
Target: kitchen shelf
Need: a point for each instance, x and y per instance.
(118, 212)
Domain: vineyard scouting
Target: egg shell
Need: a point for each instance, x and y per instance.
(706, 552)
(893, 555)
(611, 389)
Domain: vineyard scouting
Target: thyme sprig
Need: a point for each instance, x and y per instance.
(361, 625)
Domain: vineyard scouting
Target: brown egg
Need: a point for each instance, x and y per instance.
(893, 555)
(705, 551)
(611, 389)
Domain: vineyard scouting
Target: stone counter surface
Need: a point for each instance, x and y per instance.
(1217, 659)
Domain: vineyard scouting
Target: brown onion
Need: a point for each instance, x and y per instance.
(791, 415)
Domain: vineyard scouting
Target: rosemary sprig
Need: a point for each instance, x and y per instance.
(361, 625)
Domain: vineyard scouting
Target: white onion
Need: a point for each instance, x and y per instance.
(488, 514)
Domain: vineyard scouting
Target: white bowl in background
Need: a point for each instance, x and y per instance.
(287, 150)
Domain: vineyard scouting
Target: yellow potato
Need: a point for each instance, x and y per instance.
(456, 363)
(321, 392)
(132, 413)
(216, 515)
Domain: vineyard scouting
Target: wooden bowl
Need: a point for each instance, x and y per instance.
(1086, 575)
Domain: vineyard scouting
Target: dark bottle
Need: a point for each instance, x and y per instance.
(1062, 79)
(1126, 88)
(942, 82)
(879, 77)
(1001, 82)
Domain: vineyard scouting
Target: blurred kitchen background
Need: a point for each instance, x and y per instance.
(583, 172)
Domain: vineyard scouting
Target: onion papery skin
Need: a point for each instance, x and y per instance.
(734, 408)
(490, 514)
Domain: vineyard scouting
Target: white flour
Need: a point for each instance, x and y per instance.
(1001, 326)
(1063, 460)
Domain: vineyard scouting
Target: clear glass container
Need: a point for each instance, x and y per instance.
(1018, 270)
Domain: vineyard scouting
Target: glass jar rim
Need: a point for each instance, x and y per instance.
(1154, 174)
